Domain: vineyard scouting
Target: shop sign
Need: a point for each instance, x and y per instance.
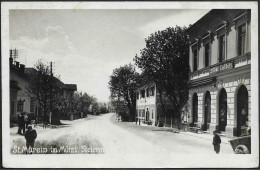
(222, 67)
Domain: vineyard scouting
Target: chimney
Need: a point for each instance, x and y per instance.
(17, 64)
(22, 68)
(11, 55)
(11, 61)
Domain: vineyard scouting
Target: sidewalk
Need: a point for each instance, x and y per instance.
(199, 135)
(206, 136)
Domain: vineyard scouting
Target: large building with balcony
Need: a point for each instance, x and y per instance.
(220, 78)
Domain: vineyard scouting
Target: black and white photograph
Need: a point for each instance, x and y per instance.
(130, 84)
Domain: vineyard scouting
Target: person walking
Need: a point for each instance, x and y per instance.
(216, 142)
(30, 136)
(21, 124)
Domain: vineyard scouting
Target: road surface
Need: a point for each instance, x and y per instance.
(132, 142)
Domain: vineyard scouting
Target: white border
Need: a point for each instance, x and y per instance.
(183, 160)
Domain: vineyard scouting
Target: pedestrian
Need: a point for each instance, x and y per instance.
(26, 120)
(30, 136)
(21, 123)
(216, 142)
(45, 122)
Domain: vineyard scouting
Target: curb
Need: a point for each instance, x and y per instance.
(224, 140)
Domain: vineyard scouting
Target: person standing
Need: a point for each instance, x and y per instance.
(26, 120)
(30, 136)
(21, 124)
(216, 142)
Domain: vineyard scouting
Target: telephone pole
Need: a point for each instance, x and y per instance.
(51, 91)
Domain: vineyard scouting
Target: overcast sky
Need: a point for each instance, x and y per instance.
(86, 45)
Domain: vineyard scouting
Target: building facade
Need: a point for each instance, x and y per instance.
(220, 78)
(146, 103)
(19, 100)
(149, 106)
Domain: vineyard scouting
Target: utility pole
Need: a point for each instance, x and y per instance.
(51, 92)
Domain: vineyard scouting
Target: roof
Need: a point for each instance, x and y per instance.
(60, 83)
(18, 72)
(30, 70)
(70, 86)
(145, 84)
(218, 14)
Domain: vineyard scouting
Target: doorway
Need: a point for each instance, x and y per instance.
(242, 109)
(195, 108)
(222, 110)
(207, 109)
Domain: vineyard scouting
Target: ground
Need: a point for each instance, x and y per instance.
(105, 132)
(129, 140)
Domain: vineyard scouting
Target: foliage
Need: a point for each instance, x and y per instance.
(45, 88)
(165, 60)
(81, 102)
(95, 107)
(122, 84)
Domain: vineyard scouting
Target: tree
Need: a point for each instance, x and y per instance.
(46, 89)
(122, 84)
(165, 60)
(82, 101)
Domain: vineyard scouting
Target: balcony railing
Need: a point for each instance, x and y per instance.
(235, 62)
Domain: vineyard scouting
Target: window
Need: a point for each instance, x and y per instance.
(241, 39)
(143, 93)
(152, 113)
(20, 105)
(32, 105)
(152, 91)
(222, 49)
(137, 95)
(147, 92)
(143, 113)
(207, 54)
(195, 60)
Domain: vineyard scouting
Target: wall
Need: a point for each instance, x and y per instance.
(147, 103)
(231, 84)
(21, 94)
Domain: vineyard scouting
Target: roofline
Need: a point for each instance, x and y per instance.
(200, 20)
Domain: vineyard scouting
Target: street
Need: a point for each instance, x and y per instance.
(103, 131)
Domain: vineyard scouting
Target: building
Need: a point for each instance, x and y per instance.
(68, 93)
(149, 108)
(19, 100)
(220, 78)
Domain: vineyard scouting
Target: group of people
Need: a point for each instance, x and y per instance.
(25, 128)
(23, 122)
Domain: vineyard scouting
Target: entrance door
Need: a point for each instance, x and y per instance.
(147, 115)
(207, 114)
(195, 108)
(222, 110)
(242, 109)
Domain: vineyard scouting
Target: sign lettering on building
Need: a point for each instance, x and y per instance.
(226, 66)
(213, 70)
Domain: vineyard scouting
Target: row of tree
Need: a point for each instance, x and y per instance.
(48, 92)
(165, 61)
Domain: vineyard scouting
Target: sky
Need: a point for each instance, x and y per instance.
(86, 45)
